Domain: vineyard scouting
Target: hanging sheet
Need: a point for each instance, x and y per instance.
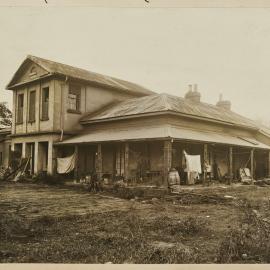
(65, 165)
(193, 163)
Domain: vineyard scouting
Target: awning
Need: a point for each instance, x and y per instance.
(161, 132)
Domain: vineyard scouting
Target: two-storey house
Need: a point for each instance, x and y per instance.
(49, 98)
(117, 129)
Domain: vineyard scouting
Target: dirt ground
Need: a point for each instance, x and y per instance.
(52, 224)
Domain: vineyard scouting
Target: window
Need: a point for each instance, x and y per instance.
(1, 158)
(32, 106)
(74, 98)
(20, 108)
(45, 104)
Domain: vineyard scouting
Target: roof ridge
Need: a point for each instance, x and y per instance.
(210, 105)
(118, 81)
(164, 99)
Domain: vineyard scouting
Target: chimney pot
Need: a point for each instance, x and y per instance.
(223, 104)
(193, 96)
(220, 97)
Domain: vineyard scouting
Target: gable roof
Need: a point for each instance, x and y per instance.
(55, 68)
(164, 103)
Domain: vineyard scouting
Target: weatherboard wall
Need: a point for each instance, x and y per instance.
(93, 98)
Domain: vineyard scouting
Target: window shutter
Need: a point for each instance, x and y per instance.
(20, 108)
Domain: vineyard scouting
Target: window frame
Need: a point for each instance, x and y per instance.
(32, 106)
(20, 109)
(44, 117)
(74, 90)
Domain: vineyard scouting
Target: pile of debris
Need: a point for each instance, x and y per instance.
(16, 172)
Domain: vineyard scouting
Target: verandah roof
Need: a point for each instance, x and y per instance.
(165, 103)
(162, 132)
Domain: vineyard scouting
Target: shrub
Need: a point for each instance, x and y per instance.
(45, 178)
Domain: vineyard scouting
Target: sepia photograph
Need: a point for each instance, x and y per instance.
(134, 132)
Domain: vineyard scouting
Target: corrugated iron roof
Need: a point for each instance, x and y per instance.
(161, 132)
(62, 69)
(168, 103)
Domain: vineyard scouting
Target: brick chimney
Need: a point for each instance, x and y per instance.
(223, 104)
(193, 94)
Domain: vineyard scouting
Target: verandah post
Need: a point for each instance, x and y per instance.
(230, 164)
(205, 161)
(268, 163)
(252, 165)
(99, 161)
(76, 168)
(167, 161)
(126, 157)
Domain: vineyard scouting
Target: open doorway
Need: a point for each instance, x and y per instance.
(43, 156)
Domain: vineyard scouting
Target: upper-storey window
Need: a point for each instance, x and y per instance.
(20, 108)
(32, 106)
(45, 104)
(74, 98)
(1, 158)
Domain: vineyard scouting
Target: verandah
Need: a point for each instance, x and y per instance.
(149, 161)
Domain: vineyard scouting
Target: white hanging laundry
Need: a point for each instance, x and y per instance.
(193, 163)
(65, 165)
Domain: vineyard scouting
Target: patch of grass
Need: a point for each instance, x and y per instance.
(12, 226)
(250, 241)
(182, 227)
(96, 238)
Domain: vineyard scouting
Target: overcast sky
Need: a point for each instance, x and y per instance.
(222, 50)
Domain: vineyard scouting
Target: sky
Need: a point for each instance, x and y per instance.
(223, 50)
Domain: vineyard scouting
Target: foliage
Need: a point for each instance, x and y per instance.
(5, 115)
